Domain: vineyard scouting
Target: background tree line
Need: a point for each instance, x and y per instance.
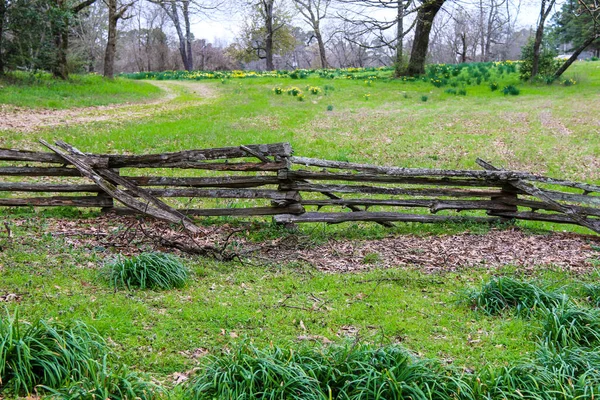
(112, 36)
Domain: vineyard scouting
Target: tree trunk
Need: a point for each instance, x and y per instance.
(269, 39)
(111, 43)
(188, 35)
(539, 35)
(399, 62)
(573, 57)
(2, 16)
(425, 17)
(174, 15)
(324, 63)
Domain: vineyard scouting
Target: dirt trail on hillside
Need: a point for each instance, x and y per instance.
(30, 120)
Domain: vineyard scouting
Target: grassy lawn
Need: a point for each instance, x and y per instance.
(43, 91)
(545, 129)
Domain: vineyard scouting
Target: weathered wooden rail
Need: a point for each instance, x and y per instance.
(269, 180)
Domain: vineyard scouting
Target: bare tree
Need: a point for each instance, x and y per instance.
(180, 13)
(366, 18)
(116, 11)
(3, 10)
(89, 35)
(314, 11)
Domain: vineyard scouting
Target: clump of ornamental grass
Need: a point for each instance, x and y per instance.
(147, 271)
(502, 294)
(424, 98)
(69, 361)
(337, 372)
(568, 325)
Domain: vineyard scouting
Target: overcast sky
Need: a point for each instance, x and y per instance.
(227, 29)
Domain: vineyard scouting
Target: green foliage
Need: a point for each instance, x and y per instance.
(511, 90)
(293, 91)
(330, 107)
(592, 292)
(69, 361)
(569, 82)
(424, 98)
(494, 86)
(547, 63)
(568, 325)
(147, 271)
(278, 90)
(504, 293)
(338, 372)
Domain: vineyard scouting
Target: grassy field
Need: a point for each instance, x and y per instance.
(43, 91)
(545, 129)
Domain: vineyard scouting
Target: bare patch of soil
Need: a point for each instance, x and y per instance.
(498, 248)
(31, 120)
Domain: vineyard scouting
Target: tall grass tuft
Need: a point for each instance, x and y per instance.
(147, 271)
(68, 361)
(568, 325)
(44, 354)
(338, 372)
(504, 293)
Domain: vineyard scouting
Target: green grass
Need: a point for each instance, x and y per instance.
(43, 91)
(546, 129)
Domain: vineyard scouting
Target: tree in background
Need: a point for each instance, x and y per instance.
(425, 17)
(546, 7)
(313, 12)
(366, 17)
(116, 12)
(578, 23)
(267, 32)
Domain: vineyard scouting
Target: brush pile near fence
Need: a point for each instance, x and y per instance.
(268, 180)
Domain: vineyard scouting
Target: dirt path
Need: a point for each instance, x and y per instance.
(30, 120)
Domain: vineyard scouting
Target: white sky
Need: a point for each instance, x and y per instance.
(227, 28)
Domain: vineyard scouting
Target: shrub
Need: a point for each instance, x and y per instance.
(330, 108)
(314, 90)
(502, 294)
(511, 90)
(494, 86)
(462, 92)
(147, 271)
(547, 63)
(424, 98)
(278, 90)
(451, 91)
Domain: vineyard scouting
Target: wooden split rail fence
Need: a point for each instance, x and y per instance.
(295, 189)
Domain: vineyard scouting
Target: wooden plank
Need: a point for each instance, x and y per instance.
(224, 181)
(227, 194)
(531, 190)
(501, 175)
(434, 205)
(43, 157)
(539, 205)
(39, 171)
(153, 206)
(366, 177)
(536, 216)
(46, 187)
(309, 187)
(67, 201)
(336, 218)
(193, 157)
(220, 166)
(232, 212)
